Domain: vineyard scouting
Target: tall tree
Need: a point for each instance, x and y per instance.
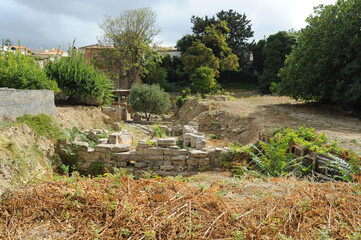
(240, 30)
(131, 35)
(258, 56)
(275, 50)
(326, 63)
(199, 56)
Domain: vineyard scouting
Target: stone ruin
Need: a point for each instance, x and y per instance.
(162, 156)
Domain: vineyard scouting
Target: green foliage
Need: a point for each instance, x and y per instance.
(80, 80)
(175, 73)
(215, 39)
(158, 132)
(130, 34)
(23, 72)
(203, 80)
(186, 42)
(258, 56)
(274, 158)
(42, 125)
(149, 99)
(275, 50)
(198, 55)
(183, 98)
(326, 63)
(97, 169)
(213, 136)
(239, 30)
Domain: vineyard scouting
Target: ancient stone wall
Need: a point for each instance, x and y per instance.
(15, 103)
(164, 159)
(162, 156)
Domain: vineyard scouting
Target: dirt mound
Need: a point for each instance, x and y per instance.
(117, 207)
(81, 117)
(241, 120)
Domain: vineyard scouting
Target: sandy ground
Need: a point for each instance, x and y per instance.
(242, 119)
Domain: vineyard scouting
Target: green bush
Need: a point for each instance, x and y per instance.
(23, 72)
(149, 99)
(80, 80)
(203, 80)
(326, 63)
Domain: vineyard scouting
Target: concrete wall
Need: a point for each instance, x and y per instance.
(15, 103)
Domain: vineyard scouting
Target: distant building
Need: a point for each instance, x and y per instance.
(172, 51)
(23, 49)
(49, 54)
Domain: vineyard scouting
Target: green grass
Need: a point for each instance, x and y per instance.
(42, 125)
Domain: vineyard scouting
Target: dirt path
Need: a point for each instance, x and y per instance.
(242, 119)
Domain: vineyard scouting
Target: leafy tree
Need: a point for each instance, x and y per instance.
(199, 56)
(240, 29)
(130, 34)
(152, 71)
(7, 42)
(80, 80)
(203, 80)
(186, 42)
(23, 72)
(326, 63)
(258, 56)
(275, 50)
(216, 40)
(149, 99)
(175, 74)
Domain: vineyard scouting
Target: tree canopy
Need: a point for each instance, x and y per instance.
(149, 99)
(326, 63)
(275, 50)
(130, 34)
(240, 29)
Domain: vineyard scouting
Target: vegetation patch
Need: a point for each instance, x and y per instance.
(42, 124)
(119, 207)
(275, 158)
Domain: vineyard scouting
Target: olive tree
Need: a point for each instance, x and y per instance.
(130, 35)
(149, 99)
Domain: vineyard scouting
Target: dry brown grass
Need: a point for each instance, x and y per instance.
(161, 208)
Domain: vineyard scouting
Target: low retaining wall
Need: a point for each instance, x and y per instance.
(163, 159)
(15, 103)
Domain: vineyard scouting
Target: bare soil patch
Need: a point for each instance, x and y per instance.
(241, 120)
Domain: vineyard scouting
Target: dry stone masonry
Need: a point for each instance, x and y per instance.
(161, 156)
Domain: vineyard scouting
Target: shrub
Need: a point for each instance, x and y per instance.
(149, 99)
(80, 80)
(23, 72)
(203, 80)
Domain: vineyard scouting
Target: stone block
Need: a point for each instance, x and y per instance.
(140, 164)
(198, 154)
(102, 141)
(81, 146)
(121, 148)
(177, 130)
(114, 138)
(166, 142)
(154, 158)
(142, 144)
(192, 162)
(156, 151)
(104, 148)
(194, 125)
(172, 152)
(200, 143)
(167, 167)
(204, 162)
(125, 156)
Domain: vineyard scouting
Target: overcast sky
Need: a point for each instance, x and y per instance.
(50, 23)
